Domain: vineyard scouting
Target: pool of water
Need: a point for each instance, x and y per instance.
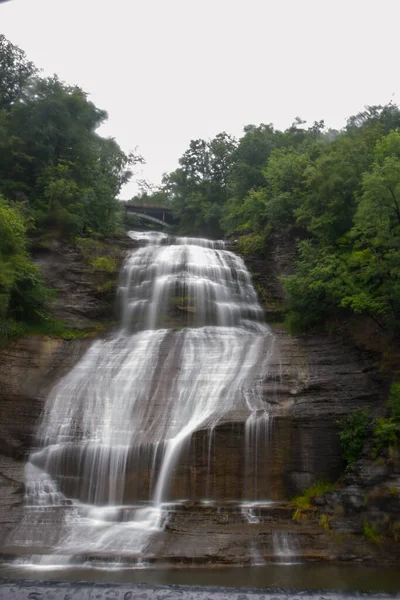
(284, 577)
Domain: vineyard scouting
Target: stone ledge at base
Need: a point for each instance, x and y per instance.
(33, 590)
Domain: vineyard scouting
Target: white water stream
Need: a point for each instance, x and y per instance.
(190, 354)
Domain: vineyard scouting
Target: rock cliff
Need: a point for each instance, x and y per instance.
(314, 380)
(323, 378)
(30, 366)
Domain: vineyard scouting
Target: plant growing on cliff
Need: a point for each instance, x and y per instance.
(251, 243)
(354, 431)
(387, 429)
(23, 296)
(319, 488)
(386, 435)
(371, 533)
(394, 401)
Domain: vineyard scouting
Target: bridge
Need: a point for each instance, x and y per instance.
(156, 214)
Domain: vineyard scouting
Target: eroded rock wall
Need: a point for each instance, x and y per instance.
(28, 370)
(31, 366)
(314, 380)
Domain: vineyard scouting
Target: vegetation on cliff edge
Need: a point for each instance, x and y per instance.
(59, 179)
(336, 193)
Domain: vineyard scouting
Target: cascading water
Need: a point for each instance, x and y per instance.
(118, 431)
(286, 547)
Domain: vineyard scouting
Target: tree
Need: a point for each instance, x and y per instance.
(15, 72)
(197, 190)
(52, 157)
(375, 260)
(22, 293)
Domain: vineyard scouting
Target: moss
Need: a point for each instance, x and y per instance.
(106, 286)
(104, 263)
(98, 254)
(59, 329)
(324, 521)
(302, 514)
(319, 488)
(371, 534)
(13, 330)
(100, 257)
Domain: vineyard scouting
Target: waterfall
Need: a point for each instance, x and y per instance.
(286, 547)
(191, 353)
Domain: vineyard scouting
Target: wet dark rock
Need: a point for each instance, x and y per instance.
(314, 381)
(369, 473)
(31, 366)
(81, 300)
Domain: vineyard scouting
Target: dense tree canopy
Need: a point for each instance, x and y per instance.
(337, 193)
(51, 157)
(58, 177)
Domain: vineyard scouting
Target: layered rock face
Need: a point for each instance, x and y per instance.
(30, 367)
(82, 300)
(323, 378)
(312, 382)
(28, 370)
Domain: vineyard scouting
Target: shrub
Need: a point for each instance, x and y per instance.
(97, 254)
(104, 263)
(10, 330)
(319, 488)
(354, 430)
(324, 521)
(371, 533)
(252, 243)
(385, 435)
(394, 400)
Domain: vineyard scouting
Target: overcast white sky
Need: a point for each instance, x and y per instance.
(168, 71)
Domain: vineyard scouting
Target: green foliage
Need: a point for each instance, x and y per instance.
(51, 155)
(59, 329)
(99, 257)
(302, 514)
(58, 178)
(387, 429)
(252, 243)
(104, 263)
(317, 287)
(386, 435)
(97, 254)
(198, 189)
(337, 192)
(371, 533)
(354, 431)
(15, 72)
(324, 521)
(394, 401)
(319, 488)
(10, 330)
(23, 296)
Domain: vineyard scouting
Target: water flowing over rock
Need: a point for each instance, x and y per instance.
(119, 433)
